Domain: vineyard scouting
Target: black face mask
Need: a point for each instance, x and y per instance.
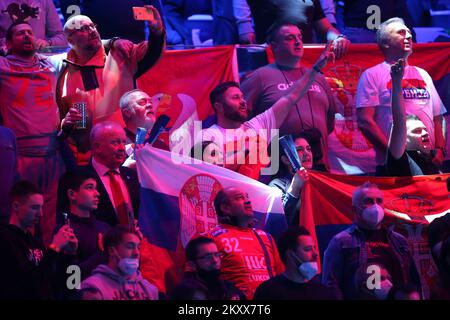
(209, 276)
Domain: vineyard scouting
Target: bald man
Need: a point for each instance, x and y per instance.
(96, 77)
(249, 256)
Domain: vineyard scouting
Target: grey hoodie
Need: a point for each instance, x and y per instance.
(106, 284)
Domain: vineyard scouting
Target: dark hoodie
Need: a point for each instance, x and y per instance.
(27, 270)
(106, 284)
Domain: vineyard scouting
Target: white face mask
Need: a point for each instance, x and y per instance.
(373, 215)
(385, 287)
(308, 269)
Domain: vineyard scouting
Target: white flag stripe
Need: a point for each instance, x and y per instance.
(158, 172)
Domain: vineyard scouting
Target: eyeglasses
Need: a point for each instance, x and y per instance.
(210, 256)
(85, 28)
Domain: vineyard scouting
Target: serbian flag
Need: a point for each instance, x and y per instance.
(181, 82)
(349, 151)
(177, 202)
(411, 203)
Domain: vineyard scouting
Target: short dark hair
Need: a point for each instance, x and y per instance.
(72, 179)
(275, 27)
(221, 198)
(9, 31)
(288, 240)
(219, 90)
(204, 145)
(114, 236)
(22, 190)
(192, 247)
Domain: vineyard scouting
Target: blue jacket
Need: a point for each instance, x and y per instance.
(347, 251)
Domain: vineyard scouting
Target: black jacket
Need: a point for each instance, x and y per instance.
(105, 211)
(28, 270)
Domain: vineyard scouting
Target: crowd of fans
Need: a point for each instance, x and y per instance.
(70, 191)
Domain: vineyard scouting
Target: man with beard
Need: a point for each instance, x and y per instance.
(300, 280)
(137, 112)
(237, 134)
(28, 107)
(203, 262)
(95, 79)
(249, 256)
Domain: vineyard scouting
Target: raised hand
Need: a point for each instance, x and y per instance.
(327, 55)
(340, 46)
(156, 24)
(71, 118)
(397, 70)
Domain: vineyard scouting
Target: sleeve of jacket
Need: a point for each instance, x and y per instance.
(332, 270)
(146, 54)
(53, 28)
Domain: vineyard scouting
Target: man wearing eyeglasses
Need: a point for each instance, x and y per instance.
(367, 242)
(202, 280)
(94, 78)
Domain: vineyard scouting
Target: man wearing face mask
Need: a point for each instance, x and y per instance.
(203, 261)
(120, 279)
(365, 274)
(367, 242)
(299, 281)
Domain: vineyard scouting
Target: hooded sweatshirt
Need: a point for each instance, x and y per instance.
(106, 284)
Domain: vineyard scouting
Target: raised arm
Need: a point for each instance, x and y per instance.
(282, 107)
(397, 142)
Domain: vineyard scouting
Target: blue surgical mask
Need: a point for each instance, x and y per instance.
(308, 269)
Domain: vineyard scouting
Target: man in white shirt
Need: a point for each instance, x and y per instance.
(373, 97)
(237, 134)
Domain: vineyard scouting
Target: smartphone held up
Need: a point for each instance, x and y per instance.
(143, 13)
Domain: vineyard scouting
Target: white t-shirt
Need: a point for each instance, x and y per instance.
(261, 125)
(419, 95)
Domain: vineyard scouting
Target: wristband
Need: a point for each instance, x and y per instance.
(111, 42)
(316, 69)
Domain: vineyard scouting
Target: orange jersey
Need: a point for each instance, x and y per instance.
(243, 261)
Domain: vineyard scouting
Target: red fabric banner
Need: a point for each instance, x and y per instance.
(410, 204)
(183, 79)
(433, 57)
(180, 84)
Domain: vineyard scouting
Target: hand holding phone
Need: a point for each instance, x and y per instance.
(143, 13)
(152, 16)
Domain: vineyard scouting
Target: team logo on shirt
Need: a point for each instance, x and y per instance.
(35, 256)
(196, 202)
(413, 89)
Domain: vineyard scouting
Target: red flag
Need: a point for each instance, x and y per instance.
(182, 80)
(410, 204)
